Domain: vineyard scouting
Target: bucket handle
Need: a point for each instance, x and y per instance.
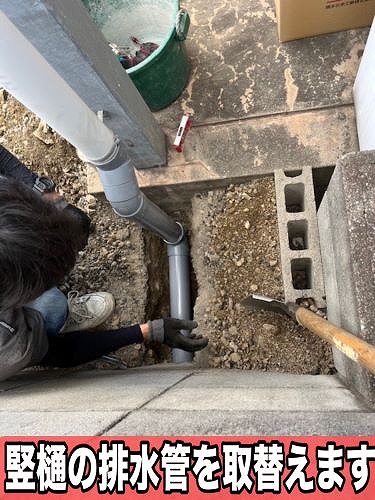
(182, 24)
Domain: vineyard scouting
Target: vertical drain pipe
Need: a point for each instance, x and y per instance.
(31, 80)
(179, 289)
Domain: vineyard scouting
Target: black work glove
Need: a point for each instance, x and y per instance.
(83, 221)
(168, 331)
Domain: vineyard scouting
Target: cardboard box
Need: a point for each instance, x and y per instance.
(364, 95)
(302, 18)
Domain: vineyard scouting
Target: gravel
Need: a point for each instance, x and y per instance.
(236, 253)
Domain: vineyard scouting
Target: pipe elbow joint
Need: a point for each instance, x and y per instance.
(181, 248)
(121, 188)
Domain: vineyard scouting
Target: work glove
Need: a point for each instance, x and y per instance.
(168, 331)
(83, 221)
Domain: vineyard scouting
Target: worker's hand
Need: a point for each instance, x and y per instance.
(168, 331)
(83, 220)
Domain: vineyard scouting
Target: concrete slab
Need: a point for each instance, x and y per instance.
(350, 206)
(27, 378)
(257, 105)
(92, 391)
(174, 400)
(256, 399)
(57, 423)
(238, 423)
(256, 379)
(260, 145)
(239, 68)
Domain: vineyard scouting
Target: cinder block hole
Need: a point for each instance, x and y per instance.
(301, 274)
(295, 197)
(298, 235)
(321, 178)
(293, 173)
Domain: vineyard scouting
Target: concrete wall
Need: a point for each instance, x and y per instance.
(347, 233)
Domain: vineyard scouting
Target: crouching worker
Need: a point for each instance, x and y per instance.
(39, 243)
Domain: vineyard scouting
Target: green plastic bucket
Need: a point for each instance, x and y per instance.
(162, 76)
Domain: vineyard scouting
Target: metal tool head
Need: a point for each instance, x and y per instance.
(262, 303)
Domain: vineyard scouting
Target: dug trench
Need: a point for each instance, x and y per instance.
(235, 252)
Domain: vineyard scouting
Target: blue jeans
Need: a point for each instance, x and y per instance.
(53, 306)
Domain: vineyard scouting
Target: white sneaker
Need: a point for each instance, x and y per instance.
(88, 311)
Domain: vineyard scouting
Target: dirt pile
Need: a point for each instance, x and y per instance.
(236, 253)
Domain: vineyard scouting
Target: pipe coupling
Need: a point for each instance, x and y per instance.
(115, 158)
(128, 205)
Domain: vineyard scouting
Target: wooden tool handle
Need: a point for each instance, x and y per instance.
(356, 349)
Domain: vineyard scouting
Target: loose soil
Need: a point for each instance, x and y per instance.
(235, 253)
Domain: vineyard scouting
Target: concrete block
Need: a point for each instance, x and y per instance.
(299, 237)
(330, 276)
(347, 232)
(147, 422)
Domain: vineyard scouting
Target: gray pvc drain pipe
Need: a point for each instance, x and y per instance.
(179, 289)
(121, 189)
(33, 82)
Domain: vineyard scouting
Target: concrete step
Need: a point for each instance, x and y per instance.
(169, 400)
(225, 153)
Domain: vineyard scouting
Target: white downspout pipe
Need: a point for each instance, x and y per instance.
(32, 81)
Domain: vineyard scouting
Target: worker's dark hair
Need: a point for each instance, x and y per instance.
(38, 244)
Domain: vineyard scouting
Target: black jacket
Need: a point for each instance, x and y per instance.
(23, 340)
